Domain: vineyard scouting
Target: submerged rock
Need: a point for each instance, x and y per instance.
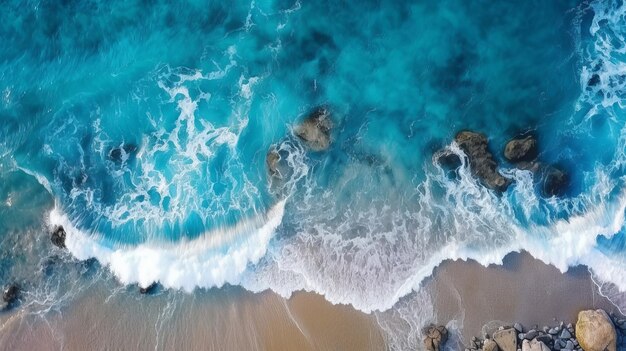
(595, 331)
(518, 150)
(435, 337)
(555, 181)
(315, 130)
(123, 153)
(58, 237)
(481, 161)
(271, 160)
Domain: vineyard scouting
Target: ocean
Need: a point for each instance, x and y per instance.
(143, 128)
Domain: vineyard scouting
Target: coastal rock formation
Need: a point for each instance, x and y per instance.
(518, 150)
(315, 130)
(595, 331)
(506, 339)
(481, 161)
(58, 237)
(435, 337)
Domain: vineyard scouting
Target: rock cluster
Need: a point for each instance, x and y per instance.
(594, 331)
(10, 295)
(435, 337)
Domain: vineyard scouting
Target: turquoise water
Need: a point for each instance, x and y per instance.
(143, 128)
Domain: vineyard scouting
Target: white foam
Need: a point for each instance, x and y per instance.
(213, 259)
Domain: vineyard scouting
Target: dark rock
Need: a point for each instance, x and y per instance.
(58, 237)
(531, 334)
(546, 339)
(565, 334)
(315, 129)
(435, 337)
(11, 294)
(518, 150)
(149, 289)
(449, 162)
(594, 80)
(123, 153)
(555, 181)
(481, 161)
(518, 327)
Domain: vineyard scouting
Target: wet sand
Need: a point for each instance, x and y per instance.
(523, 290)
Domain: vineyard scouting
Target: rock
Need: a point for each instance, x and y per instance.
(594, 80)
(555, 181)
(531, 334)
(271, 160)
(517, 150)
(490, 345)
(569, 345)
(565, 334)
(315, 130)
(595, 331)
(11, 293)
(123, 153)
(553, 331)
(538, 346)
(518, 327)
(58, 237)
(506, 339)
(481, 161)
(148, 289)
(546, 339)
(525, 345)
(435, 337)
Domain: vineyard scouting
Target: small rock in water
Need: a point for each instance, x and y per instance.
(149, 289)
(315, 130)
(594, 80)
(518, 150)
(555, 182)
(11, 293)
(58, 237)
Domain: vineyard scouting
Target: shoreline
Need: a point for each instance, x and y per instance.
(108, 315)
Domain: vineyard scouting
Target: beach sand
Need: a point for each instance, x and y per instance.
(109, 317)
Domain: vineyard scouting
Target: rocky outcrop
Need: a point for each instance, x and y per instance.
(315, 130)
(506, 339)
(58, 237)
(435, 337)
(521, 150)
(595, 331)
(481, 161)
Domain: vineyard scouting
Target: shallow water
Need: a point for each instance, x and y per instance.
(143, 128)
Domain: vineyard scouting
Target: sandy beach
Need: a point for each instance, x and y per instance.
(110, 317)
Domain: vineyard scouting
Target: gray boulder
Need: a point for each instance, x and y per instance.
(481, 160)
(315, 130)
